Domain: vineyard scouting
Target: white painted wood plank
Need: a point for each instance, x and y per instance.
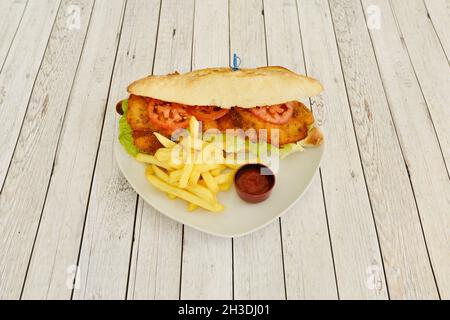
(58, 240)
(11, 12)
(156, 261)
(19, 73)
(407, 267)
(25, 188)
(207, 260)
(308, 259)
(174, 47)
(207, 267)
(430, 64)
(108, 233)
(354, 241)
(418, 140)
(258, 261)
(439, 13)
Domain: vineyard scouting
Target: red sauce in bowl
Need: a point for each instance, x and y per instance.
(252, 185)
(253, 182)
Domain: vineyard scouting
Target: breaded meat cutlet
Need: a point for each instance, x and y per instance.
(137, 114)
(146, 141)
(137, 117)
(294, 130)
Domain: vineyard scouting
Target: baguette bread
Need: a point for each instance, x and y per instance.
(225, 88)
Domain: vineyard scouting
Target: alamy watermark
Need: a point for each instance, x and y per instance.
(73, 277)
(73, 17)
(373, 14)
(236, 146)
(374, 278)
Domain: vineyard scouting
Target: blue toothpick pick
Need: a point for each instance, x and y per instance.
(236, 62)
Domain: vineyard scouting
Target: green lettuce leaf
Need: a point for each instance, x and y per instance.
(290, 148)
(126, 133)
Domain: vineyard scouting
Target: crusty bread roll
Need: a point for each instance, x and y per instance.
(223, 87)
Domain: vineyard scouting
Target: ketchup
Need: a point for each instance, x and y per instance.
(253, 182)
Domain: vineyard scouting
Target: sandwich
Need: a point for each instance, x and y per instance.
(221, 99)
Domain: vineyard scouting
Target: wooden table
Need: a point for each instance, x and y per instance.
(375, 223)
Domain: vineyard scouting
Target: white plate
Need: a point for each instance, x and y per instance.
(239, 217)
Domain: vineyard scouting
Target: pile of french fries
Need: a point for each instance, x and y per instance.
(192, 169)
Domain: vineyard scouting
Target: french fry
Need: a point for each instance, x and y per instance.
(192, 169)
(175, 165)
(185, 175)
(192, 207)
(194, 127)
(185, 195)
(146, 158)
(163, 154)
(217, 171)
(176, 157)
(174, 176)
(194, 144)
(210, 182)
(233, 165)
(149, 170)
(195, 176)
(160, 174)
(202, 192)
(211, 154)
(225, 186)
(224, 177)
(164, 141)
(171, 196)
(207, 167)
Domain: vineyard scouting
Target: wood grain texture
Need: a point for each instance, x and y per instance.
(107, 250)
(207, 267)
(373, 225)
(107, 235)
(19, 74)
(25, 188)
(58, 241)
(308, 262)
(358, 264)
(207, 260)
(408, 270)
(11, 12)
(258, 261)
(156, 260)
(418, 141)
(439, 13)
(430, 64)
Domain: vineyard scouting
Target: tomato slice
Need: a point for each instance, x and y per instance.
(276, 114)
(167, 117)
(208, 113)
